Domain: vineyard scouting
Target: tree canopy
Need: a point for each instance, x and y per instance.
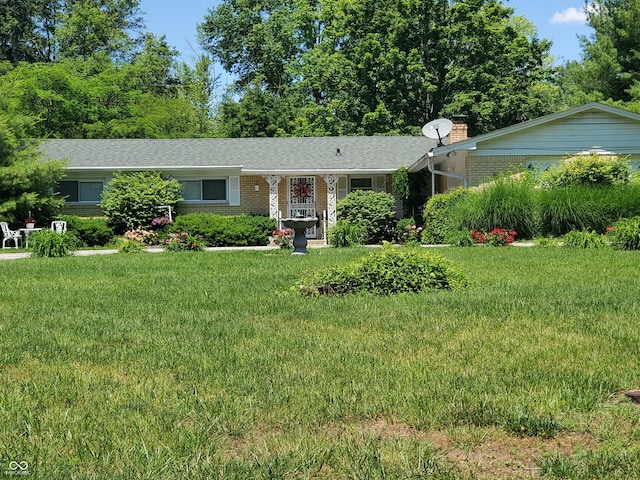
(371, 67)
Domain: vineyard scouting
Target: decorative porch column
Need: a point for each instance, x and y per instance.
(273, 181)
(332, 196)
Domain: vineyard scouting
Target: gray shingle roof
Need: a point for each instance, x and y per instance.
(251, 155)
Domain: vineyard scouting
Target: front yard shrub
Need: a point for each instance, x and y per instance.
(592, 170)
(132, 200)
(344, 234)
(48, 243)
(584, 239)
(224, 231)
(625, 234)
(92, 232)
(438, 218)
(375, 211)
(390, 270)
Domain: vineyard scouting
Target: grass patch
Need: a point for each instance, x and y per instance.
(204, 365)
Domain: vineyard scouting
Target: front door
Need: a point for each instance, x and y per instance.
(302, 200)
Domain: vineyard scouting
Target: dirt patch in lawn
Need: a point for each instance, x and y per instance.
(487, 453)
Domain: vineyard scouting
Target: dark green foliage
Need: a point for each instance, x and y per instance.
(92, 232)
(365, 68)
(374, 211)
(593, 170)
(132, 200)
(625, 234)
(584, 239)
(223, 231)
(438, 218)
(47, 243)
(26, 181)
(344, 234)
(390, 270)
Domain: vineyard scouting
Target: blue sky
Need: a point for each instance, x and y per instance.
(558, 20)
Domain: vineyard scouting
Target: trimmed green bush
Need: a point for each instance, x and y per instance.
(625, 234)
(373, 210)
(132, 200)
(438, 218)
(390, 270)
(584, 239)
(224, 231)
(344, 234)
(91, 232)
(47, 243)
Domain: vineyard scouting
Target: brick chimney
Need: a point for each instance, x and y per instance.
(459, 130)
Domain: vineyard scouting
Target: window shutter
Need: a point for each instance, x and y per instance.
(234, 191)
(342, 187)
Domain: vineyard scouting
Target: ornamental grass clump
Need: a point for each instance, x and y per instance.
(385, 272)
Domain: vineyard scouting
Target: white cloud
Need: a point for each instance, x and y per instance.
(569, 15)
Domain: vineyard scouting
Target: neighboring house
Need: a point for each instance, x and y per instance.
(537, 143)
(278, 177)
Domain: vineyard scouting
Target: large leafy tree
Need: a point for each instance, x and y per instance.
(377, 66)
(48, 30)
(610, 64)
(26, 181)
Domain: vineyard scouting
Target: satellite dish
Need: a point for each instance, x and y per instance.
(438, 129)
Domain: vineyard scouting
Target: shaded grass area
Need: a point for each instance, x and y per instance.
(210, 365)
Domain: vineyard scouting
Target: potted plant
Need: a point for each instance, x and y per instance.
(30, 222)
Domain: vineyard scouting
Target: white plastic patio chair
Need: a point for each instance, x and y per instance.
(59, 226)
(10, 235)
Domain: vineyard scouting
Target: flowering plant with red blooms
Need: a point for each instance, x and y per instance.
(282, 237)
(497, 237)
(183, 241)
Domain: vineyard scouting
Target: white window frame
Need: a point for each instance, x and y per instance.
(79, 181)
(232, 190)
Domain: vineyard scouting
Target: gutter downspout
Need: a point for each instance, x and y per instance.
(444, 174)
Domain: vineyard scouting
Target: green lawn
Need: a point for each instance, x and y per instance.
(210, 365)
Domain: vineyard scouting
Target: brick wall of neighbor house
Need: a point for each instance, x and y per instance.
(479, 169)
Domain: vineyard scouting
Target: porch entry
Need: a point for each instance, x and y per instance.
(302, 200)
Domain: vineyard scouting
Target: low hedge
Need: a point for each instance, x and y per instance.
(226, 231)
(91, 232)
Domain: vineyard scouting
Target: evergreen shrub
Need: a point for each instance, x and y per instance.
(91, 232)
(344, 234)
(375, 211)
(223, 231)
(389, 270)
(438, 218)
